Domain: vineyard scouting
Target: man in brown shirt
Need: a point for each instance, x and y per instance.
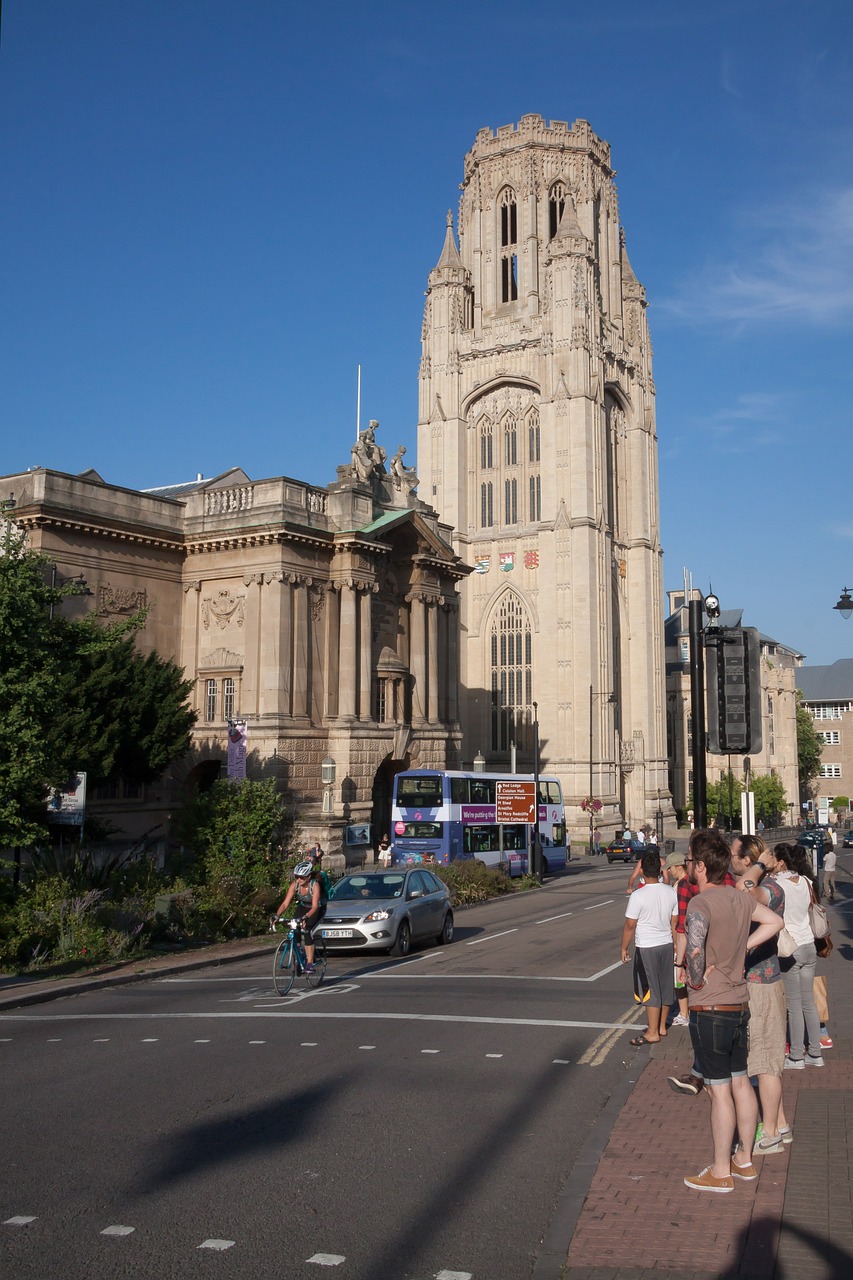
(717, 926)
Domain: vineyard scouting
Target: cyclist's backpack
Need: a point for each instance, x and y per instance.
(323, 882)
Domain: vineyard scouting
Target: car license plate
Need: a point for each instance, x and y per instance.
(337, 933)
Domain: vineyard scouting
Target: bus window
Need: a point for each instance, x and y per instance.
(459, 790)
(412, 791)
(418, 830)
(481, 838)
(514, 837)
(555, 796)
(482, 790)
(558, 834)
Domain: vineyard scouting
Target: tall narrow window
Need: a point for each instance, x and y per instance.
(510, 502)
(510, 442)
(486, 453)
(486, 506)
(509, 243)
(228, 698)
(533, 442)
(511, 650)
(210, 700)
(556, 205)
(535, 498)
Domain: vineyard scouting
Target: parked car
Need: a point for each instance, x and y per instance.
(622, 850)
(847, 842)
(388, 911)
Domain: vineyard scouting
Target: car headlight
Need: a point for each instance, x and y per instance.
(378, 915)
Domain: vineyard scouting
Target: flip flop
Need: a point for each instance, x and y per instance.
(638, 1040)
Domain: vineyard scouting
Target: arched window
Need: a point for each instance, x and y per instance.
(509, 245)
(533, 442)
(510, 441)
(556, 205)
(511, 652)
(486, 450)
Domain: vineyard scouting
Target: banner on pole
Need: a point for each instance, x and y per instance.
(237, 733)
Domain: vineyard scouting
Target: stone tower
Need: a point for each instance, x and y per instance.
(537, 443)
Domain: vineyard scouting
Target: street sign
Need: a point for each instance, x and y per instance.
(67, 805)
(515, 802)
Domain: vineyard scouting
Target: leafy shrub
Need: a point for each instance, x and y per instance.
(474, 882)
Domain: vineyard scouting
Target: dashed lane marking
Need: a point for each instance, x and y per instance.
(327, 1259)
(216, 1244)
(257, 1042)
(505, 977)
(454, 1275)
(563, 916)
(150, 1040)
(201, 1042)
(596, 905)
(308, 1044)
(430, 1051)
(20, 1220)
(118, 1230)
(491, 937)
(494, 1055)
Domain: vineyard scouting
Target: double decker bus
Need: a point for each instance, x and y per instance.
(444, 816)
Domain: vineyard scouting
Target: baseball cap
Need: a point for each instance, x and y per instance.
(674, 860)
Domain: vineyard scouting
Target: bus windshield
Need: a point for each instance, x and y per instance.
(413, 791)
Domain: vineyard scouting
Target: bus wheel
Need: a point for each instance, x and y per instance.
(403, 942)
(446, 936)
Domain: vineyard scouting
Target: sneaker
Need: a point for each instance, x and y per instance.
(825, 1041)
(794, 1064)
(787, 1135)
(759, 1133)
(309, 968)
(680, 1021)
(768, 1146)
(705, 1181)
(686, 1084)
(813, 1060)
(746, 1172)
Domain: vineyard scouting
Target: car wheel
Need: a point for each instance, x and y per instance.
(446, 936)
(403, 942)
(610, 862)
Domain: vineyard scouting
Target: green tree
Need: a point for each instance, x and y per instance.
(770, 799)
(242, 834)
(74, 695)
(809, 747)
(723, 799)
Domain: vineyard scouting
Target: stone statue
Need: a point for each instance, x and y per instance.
(404, 478)
(368, 457)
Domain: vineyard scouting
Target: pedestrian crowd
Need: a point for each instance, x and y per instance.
(731, 937)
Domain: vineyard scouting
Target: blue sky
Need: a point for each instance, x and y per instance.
(212, 212)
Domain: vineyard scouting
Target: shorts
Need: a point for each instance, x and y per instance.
(720, 1039)
(657, 962)
(768, 1016)
(309, 919)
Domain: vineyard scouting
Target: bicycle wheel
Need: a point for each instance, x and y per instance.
(284, 967)
(314, 979)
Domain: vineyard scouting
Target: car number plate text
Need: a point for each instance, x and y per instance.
(337, 933)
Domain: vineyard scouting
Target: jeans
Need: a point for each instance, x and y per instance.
(798, 977)
(720, 1039)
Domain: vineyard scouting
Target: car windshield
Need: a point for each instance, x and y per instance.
(370, 885)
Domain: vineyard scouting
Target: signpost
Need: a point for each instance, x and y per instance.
(516, 802)
(67, 805)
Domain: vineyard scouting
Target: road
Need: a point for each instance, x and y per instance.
(411, 1119)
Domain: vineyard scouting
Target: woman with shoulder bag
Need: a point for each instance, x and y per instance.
(798, 969)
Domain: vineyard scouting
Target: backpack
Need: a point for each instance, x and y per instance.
(325, 885)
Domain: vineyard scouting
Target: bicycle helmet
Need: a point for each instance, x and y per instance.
(303, 870)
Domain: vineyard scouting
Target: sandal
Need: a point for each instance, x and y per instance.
(638, 1040)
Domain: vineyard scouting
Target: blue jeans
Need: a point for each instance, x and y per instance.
(720, 1043)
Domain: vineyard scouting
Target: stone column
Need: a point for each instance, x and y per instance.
(417, 658)
(278, 678)
(348, 653)
(452, 663)
(301, 643)
(189, 637)
(433, 714)
(365, 648)
(249, 703)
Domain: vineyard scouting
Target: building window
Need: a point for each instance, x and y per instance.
(486, 455)
(830, 712)
(510, 502)
(510, 442)
(684, 648)
(533, 442)
(830, 770)
(830, 736)
(381, 701)
(509, 241)
(511, 650)
(210, 701)
(535, 498)
(228, 698)
(486, 506)
(556, 205)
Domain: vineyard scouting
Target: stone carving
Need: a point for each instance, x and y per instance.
(222, 609)
(368, 457)
(121, 599)
(403, 478)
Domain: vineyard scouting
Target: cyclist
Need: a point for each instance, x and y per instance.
(310, 908)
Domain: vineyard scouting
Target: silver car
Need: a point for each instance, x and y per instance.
(388, 911)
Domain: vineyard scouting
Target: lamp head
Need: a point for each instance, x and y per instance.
(845, 604)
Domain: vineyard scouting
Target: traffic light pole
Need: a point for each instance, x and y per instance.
(697, 707)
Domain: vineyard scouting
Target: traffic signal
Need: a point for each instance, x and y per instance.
(733, 671)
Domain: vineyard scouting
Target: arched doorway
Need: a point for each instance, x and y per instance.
(383, 790)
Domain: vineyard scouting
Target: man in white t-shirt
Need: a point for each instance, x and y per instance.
(830, 859)
(650, 919)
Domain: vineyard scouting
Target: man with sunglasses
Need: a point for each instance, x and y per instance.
(718, 936)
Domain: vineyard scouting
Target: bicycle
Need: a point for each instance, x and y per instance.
(290, 958)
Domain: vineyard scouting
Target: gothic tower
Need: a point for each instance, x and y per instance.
(536, 441)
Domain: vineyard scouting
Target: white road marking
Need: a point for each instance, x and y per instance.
(308, 1044)
(55, 1040)
(596, 905)
(150, 1040)
(367, 1046)
(430, 1051)
(257, 1042)
(548, 919)
(6, 1040)
(491, 937)
(454, 1275)
(505, 977)
(404, 964)
(117, 1231)
(286, 1015)
(494, 1055)
(201, 1042)
(101, 1040)
(215, 1244)
(561, 1062)
(19, 1221)
(327, 1259)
